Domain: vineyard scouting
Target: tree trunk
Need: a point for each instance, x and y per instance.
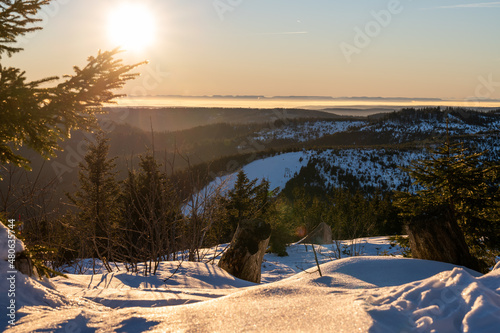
(435, 235)
(244, 257)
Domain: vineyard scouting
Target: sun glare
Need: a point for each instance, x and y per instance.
(131, 26)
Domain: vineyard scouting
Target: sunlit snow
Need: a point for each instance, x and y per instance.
(368, 293)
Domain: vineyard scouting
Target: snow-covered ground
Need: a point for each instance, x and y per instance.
(369, 293)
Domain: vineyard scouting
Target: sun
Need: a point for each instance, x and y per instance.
(131, 26)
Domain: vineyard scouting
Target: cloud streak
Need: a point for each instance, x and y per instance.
(283, 33)
(473, 5)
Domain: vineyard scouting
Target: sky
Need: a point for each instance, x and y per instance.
(340, 48)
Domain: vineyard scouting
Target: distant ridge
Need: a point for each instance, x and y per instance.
(352, 98)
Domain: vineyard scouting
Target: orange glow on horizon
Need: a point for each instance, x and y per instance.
(160, 101)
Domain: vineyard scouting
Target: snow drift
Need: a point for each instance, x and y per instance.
(366, 294)
(451, 301)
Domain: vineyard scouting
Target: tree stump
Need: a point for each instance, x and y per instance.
(244, 257)
(435, 235)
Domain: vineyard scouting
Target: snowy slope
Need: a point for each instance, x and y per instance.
(277, 170)
(368, 168)
(378, 168)
(362, 168)
(376, 294)
(167, 288)
(29, 292)
(362, 294)
(25, 291)
(451, 301)
(301, 257)
(399, 126)
(307, 131)
(455, 126)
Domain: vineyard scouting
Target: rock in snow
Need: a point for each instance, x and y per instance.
(8, 241)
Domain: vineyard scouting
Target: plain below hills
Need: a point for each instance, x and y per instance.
(177, 119)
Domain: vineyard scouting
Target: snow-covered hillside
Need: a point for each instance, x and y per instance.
(278, 170)
(359, 168)
(398, 127)
(363, 294)
(455, 126)
(307, 131)
(364, 168)
(376, 168)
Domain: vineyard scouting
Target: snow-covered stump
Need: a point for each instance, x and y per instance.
(244, 257)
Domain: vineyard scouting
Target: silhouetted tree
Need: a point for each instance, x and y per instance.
(151, 215)
(98, 201)
(37, 116)
(247, 200)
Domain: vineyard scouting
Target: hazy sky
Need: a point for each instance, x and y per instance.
(389, 48)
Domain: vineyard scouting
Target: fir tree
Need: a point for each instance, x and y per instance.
(142, 205)
(240, 197)
(37, 116)
(239, 203)
(247, 200)
(99, 200)
(151, 214)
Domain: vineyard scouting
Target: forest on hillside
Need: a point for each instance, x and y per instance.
(152, 182)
